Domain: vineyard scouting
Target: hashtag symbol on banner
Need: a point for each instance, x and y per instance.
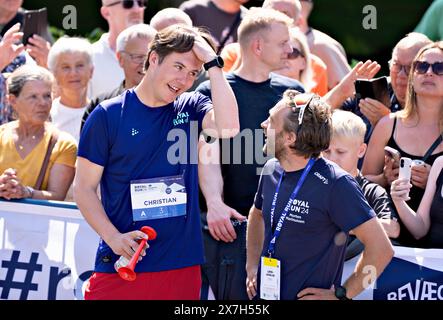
(13, 265)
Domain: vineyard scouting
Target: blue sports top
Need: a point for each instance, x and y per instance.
(133, 141)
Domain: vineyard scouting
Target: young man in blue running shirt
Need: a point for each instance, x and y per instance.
(142, 148)
(304, 208)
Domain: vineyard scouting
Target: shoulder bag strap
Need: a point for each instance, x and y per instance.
(52, 142)
(231, 30)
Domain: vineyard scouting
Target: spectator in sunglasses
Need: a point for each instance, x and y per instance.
(415, 131)
(300, 65)
(317, 80)
(371, 110)
(120, 14)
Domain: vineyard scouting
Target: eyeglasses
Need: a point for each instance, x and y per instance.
(136, 58)
(397, 67)
(128, 4)
(302, 105)
(295, 54)
(422, 67)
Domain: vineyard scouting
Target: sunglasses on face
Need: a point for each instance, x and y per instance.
(128, 4)
(397, 67)
(421, 67)
(295, 54)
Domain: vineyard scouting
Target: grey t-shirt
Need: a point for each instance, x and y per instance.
(204, 13)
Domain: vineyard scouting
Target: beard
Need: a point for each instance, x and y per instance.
(274, 147)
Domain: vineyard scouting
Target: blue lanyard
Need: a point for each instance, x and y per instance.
(300, 182)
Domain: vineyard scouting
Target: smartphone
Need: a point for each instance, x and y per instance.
(392, 153)
(405, 168)
(374, 88)
(34, 22)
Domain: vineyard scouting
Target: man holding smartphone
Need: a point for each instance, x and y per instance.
(371, 110)
(399, 65)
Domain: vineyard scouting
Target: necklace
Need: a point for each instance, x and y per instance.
(21, 147)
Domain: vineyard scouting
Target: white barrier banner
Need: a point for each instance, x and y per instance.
(412, 274)
(47, 251)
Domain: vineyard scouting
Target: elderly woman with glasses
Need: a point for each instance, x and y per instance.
(36, 160)
(415, 131)
(70, 60)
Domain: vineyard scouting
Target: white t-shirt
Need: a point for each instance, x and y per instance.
(66, 118)
(107, 71)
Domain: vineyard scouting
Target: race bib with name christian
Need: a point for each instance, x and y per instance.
(158, 198)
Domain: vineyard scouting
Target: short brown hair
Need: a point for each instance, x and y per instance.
(258, 20)
(176, 38)
(314, 134)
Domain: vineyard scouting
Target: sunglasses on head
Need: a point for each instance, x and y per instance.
(295, 54)
(128, 4)
(297, 102)
(421, 67)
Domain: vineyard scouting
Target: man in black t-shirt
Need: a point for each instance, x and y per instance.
(220, 17)
(264, 42)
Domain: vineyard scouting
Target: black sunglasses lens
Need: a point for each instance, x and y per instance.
(437, 68)
(294, 54)
(128, 4)
(421, 67)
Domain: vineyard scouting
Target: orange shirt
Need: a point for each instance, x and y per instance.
(230, 53)
(319, 76)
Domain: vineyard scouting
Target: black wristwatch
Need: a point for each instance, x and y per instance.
(340, 293)
(217, 62)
